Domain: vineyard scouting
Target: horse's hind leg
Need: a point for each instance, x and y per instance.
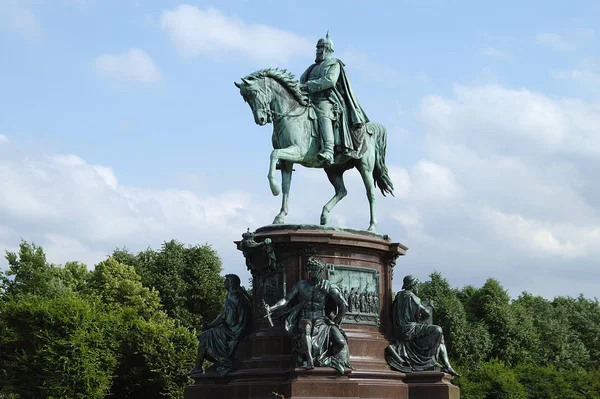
(365, 166)
(336, 177)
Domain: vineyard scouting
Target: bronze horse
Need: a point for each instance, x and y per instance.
(275, 96)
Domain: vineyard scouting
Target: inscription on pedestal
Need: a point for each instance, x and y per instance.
(360, 288)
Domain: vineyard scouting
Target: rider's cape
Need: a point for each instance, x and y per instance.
(351, 119)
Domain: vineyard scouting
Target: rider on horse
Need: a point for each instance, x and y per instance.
(339, 113)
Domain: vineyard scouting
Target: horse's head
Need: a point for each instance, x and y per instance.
(271, 92)
(254, 92)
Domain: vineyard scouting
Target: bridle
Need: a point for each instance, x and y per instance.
(275, 116)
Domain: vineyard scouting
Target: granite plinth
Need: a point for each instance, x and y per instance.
(322, 383)
(431, 385)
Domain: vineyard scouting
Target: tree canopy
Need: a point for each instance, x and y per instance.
(126, 329)
(529, 347)
(89, 334)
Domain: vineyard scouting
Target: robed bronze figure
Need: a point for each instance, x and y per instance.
(218, 340)
(418, 346)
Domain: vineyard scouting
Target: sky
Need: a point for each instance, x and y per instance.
(120, 126)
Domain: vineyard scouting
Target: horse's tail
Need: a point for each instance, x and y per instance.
(380, 172)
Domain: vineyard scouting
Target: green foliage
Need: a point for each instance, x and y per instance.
(154, 358)
(126, 329)
(468, 342)
(65, 343)
(529, 347)
(118, 285)
(187, 278)
(30, 273)
(86, 334)
(559, 344)
(546, 383)
(491, 380)
(584, 318)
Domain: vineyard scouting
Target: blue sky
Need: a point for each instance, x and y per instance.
(120, 126)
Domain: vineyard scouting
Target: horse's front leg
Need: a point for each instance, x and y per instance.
(292, 154)
(286, 181)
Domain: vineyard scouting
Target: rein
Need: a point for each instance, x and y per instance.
(277, 116)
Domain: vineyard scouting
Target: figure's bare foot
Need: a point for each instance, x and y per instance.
(309, 365)
(451, 371)
(340, 368)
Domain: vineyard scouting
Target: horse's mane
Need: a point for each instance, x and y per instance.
(285, 78)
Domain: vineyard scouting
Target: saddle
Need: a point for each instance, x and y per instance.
(356, 134)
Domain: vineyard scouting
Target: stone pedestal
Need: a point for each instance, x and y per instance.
(319, 383)
(358, 262)
(431, 384)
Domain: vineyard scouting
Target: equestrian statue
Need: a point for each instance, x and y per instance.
(318, 123)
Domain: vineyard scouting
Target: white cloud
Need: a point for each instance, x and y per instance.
(587, 73)
(497, 54)
(61, 249)
(196, 32)
(410, 219)
(543, 238)
(522, 167)
(15, 16)
(432, 181)
(79, 211)
(587, 78)
(3, 139)
(521, 119)
(135, 65)
(556, 42)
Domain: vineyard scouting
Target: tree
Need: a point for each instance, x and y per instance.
(558, 344)
(490, 305)
(118, 285)
(86, 334)
(491, 380)
(468, 342)
(65, 341)
(187, 278)
(30, 272)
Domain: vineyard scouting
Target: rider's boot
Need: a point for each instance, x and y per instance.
(327, 135)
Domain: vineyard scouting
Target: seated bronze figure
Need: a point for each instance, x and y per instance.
(218, 340)
(417, 346)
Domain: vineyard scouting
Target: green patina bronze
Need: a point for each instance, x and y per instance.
(314, 310)
(218, 340)
(418, 345)
(360, 288)
(318, 123)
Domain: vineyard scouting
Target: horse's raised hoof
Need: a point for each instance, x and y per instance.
(275, 187)
(324, 219)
